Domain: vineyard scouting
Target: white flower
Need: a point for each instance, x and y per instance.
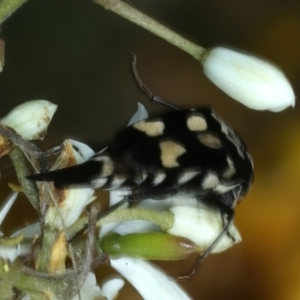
(198, 223)
(29, 231)
(7, 205)
(111, 287)
(70, 202)
(90, 290)
(202, 226)
(248, 79)
(10, 252)
(31, 119)
(148, 280)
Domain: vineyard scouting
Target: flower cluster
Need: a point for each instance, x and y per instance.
(164, 230)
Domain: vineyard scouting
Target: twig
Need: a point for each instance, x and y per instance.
(29, 187)
(24, 145)
(8, 7)
(2, 50)
(130, 13)
(20, 163)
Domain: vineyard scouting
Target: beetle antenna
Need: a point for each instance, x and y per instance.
(145, 89)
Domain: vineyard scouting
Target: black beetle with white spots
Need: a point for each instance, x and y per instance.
(186, 153)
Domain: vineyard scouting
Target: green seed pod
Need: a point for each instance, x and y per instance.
(150, 246)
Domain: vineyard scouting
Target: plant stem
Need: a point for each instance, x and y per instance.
(8, 7)
(164, 219)
(2, 49)
(29, 187)
(130, 13)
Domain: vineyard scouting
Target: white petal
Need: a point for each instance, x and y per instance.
(135, 226)
(149, 281)
(84, 150)
(138, 226)
(31, 119)
(202, 226)
(7, 205)
(111, 288)
(90, 290)
(26, 297)
(29, 231)
(75, 201)
(248, 79)
(12, 252)
(72, 201)
(140, 114)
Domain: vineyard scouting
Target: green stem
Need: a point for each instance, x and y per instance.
(29, 187)
(38, 285)
(163, 219)
(8, 7)
(2, 49)
(130, 13)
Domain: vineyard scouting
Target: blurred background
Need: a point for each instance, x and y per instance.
(77, 55)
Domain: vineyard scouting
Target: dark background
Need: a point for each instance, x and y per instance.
(77, 55)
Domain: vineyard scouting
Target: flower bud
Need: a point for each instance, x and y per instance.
(202, 226)
(31, 119)
(151, 246)
(248, 79)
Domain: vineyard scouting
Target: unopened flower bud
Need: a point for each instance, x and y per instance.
(31, 119)
(202, 226)
(248, 79)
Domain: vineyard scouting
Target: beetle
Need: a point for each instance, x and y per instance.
(187, 152)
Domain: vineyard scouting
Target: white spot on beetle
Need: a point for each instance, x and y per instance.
(98, 183)
(224, 188)
(237, 143)
(117, 181)
(159, 177)
(209, 140)
(108, 165)
(187, 176)
(170, 151)
(250, 159)
(230, 171)
(224, 127)
(154, 128)
(196, 123)
(210, 181)
(141, 178)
